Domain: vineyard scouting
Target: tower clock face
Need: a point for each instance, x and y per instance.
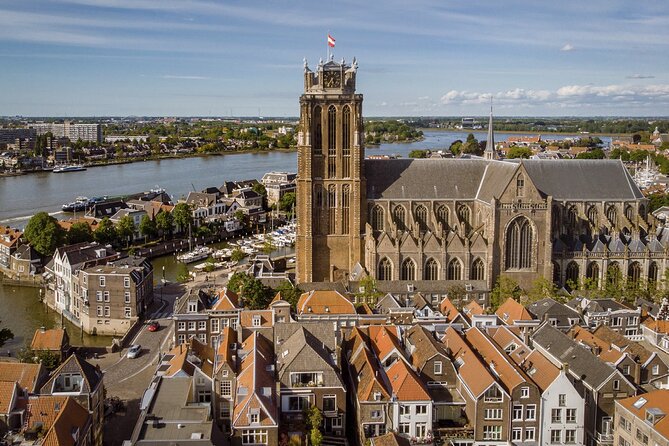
(331, 79)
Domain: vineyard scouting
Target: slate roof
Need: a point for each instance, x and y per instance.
(637, 350)
(551, 309)
(582, 363)
(469, 179)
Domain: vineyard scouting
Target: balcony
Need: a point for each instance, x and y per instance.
(605, 438)
(311, 379)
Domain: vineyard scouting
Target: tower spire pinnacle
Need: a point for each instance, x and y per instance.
(489, 152)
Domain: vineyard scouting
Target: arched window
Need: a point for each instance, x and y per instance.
(454, 270)
(346, 142)
(634, 274)
(652, 275)
(345, 205)
(318, 201)
(557, 274)
(332, 208)
(571, 274)
(572, 217)
(421, 217)
(408, 271)
(399, 215)
(317, 126)
(613, 275)
(592, 274)
(556, 218)
(478, 270)
(442, 216)
(520, 185)
(629, 212)
(385, 271)
(612, 215)
(518, 242)
(332, 141)
(377, 218)
(431, 270)
(592, 215)
(463, 214)
(642, 211)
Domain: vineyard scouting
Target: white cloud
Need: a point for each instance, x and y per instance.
(567, 47)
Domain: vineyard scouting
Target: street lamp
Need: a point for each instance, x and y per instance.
(162, 285)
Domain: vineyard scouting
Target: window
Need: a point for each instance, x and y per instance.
(616, 384)
(298, 403)
(100, 311)
(562, 400)
(556, 436)
(345, 208)
(517, 434)
(454, 270)
(399, 216)
(385, 271)
(257, 320)
(377, 396)
(192, 307)
(408, 271)
(346, 141)
(625, 424)
(202, 325)
(556, 415)
(623, 442)
(492, 414)
(181, 326)
(437, 367)
(375, 414)
(127, 312)
(226, 388)
(102, 281)
(442, 216)
(478, 270)
(518, 243)
(421, 409)
(204, 396)
(524, 392)
(106, 295)
(126, 297)
(517, 412)
(191, 326)
(641, 437)
(254, 418)
(377, 217)
(214, 326)
(405, 428)
(626, 369)
(431, 269)
(181, 339)
(254, 437)
(656, 370)
(420, 214)
(421, 430)
(405, 410)
(529, 434)
(126, 282)
(492, 395)
(570, 416)
(98, 296)
(107, 311)
(570, 436)
(225, 410)
(520, 185)
(329, 403)
(531, 412)
(492, 432)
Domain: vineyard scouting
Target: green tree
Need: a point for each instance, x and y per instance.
(287, 203)
(457, 294)
(106, 232)
(256, 295)
(417, 153)
(269, 246)
(44, 233)
(367, 291)
(125, 228)
(147, 227)
(541, 289)
(183, 275)
(259, 188)
(5, 335)
(164, 223)
(289, 292)
(182, 216)
(505, 287)
(314, 419)
(79, 232)
(237, 255)
(456, 147)
(519, 152)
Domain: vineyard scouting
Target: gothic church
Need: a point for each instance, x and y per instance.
(462, 221)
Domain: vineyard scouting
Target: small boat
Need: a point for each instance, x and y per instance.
(199, 253)
(79, 204)
(69, 168)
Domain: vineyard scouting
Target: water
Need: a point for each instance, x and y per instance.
(21, 197)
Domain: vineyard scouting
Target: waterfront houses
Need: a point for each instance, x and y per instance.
(9, 242)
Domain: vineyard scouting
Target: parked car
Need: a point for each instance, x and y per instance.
(154, 326)
(134, 351)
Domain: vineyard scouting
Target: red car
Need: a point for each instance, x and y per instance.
(154, 326)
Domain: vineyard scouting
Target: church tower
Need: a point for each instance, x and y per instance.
(330, 180)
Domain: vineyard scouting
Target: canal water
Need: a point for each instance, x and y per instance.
(21, 197)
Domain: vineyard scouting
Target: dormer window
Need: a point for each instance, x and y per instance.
(377, 396)
(257, 321)
(192, 307)
(254, 416)
(653, 415)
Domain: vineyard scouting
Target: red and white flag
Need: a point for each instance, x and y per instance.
(331, 41)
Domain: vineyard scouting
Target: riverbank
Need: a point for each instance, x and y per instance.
(522, 132)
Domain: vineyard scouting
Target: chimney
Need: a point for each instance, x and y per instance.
(42, 329)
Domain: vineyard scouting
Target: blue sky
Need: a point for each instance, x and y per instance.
(420, 57)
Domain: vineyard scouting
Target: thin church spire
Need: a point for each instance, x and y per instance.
(490, 153)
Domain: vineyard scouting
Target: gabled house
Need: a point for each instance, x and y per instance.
(556, 313)
(309, 375)
(599, 382)
(327, 305)
(619, 317)
(225, 376)
(412, 404)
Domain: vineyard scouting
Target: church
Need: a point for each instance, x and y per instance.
(458, 221)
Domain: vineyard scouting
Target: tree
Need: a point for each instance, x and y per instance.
(256, 295)
(269, 246)
(5, 335)
(287, 202)
(314, 419)
(289, 292)
(106, 232)
(519, 152)
(182, 216)
(237, 255)
(125, 228)
(367, 291)
(259, 188)
(183, 275)
(456, 147)
(147, 227)
(541, 289)
(471, 146)
(164, 223)
(505, 287)
(457, 294)
(79, 232)
(418, 154)
(44, 233)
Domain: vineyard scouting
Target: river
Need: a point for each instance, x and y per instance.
(21, 197)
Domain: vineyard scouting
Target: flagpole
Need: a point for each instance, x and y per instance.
(327, 44)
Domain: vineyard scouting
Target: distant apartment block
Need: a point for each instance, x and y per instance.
(9, 136)
(73, 131)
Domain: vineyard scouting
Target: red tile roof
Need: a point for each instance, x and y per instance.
(52, 340)
(324, 302)
(405, 383)
(511, 311)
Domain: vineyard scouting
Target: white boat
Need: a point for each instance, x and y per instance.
(69, 168)
(199, 253)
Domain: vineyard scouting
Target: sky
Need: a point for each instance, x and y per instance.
(416, 58)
